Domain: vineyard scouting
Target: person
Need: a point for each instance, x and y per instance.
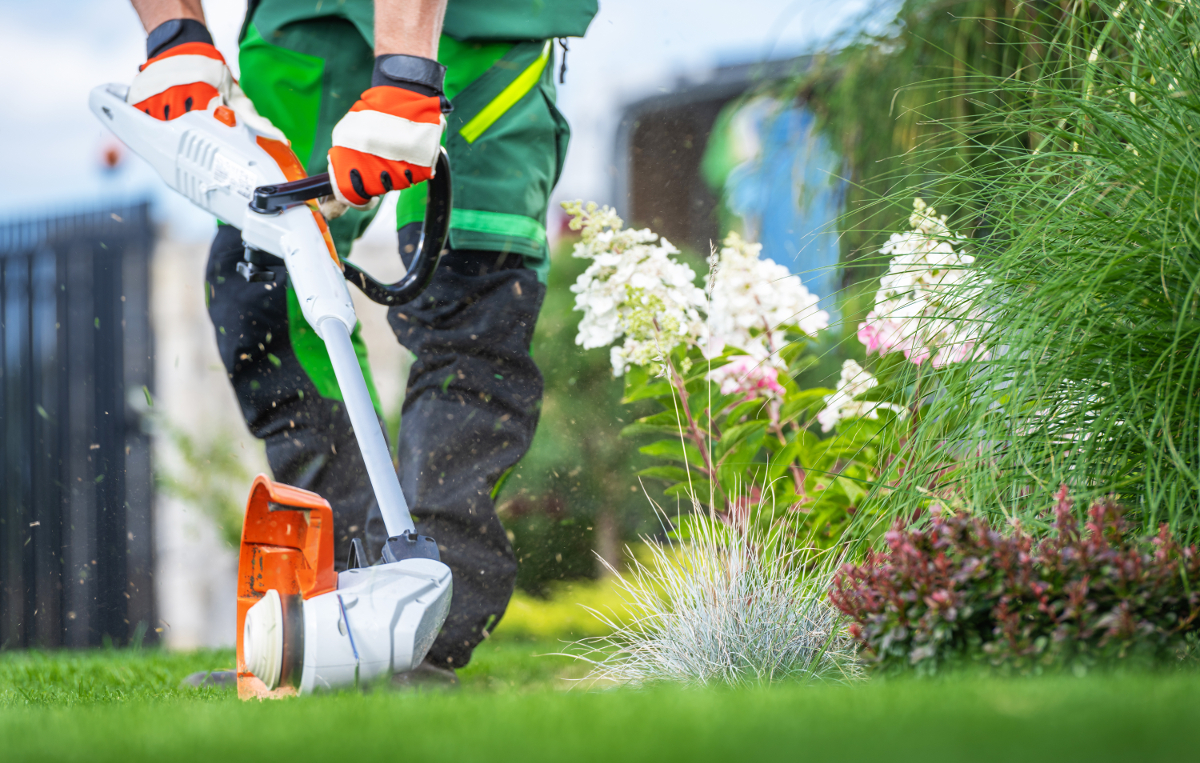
(367, 91)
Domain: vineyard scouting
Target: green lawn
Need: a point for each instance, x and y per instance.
(515, 705)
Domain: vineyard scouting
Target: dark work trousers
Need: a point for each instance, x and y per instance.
(474, 394)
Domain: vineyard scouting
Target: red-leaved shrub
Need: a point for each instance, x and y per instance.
(961, 591)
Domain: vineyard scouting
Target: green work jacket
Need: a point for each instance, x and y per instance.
(476, 20)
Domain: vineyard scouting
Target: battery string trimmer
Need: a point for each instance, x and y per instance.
(302, 626)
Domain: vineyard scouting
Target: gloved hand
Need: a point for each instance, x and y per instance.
(185, 72)
(391, 137)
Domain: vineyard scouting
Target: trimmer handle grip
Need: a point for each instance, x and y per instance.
(269, 199)
(429, 250)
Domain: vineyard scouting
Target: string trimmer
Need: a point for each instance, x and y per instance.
(302, 626)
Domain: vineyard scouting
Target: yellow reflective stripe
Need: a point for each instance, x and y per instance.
(509, 96)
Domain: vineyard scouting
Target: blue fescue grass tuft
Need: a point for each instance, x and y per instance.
(727, 605)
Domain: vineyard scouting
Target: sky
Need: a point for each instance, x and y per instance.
(633, 49)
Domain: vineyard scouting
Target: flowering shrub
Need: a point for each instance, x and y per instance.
(735, 431)
(925, 309)
(963, 591)
(925, 303)
(634, 290)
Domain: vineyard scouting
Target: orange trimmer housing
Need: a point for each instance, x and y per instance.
(287, 545)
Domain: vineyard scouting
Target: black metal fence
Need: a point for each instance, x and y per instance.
(76, 362)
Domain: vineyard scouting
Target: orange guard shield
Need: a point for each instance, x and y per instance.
(287, 544)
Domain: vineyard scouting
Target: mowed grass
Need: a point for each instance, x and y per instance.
(101, 677)
(520, 706)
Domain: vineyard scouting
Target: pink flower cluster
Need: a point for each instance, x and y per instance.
(884, 335)
(747, 375)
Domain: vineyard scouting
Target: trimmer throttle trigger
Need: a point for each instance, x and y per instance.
(251, 267)
(272, 199)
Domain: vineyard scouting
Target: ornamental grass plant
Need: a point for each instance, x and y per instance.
(726, 605)
(1078, 199)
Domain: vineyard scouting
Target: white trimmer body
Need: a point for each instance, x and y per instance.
(380, 619)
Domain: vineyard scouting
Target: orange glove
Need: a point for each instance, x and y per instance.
(185, 72)
(391, 137)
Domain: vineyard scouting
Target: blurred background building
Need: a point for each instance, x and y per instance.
(681, 118)
(737, 150)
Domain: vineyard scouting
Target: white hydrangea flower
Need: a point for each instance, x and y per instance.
(855, 381)
(633, 290)
(754, 301)
(636, 293)
(924, 306)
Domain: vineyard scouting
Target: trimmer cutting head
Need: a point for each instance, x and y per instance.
(303, 627)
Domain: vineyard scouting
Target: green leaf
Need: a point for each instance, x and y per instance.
(795, 450)
(701, 490)
(802, 364)
(657, 388)
(637, 376)
(793, 350)
(832, 498)
(842, 450)
(739, 468)
(662, 418)
(735, 434)
(786, 497)
(638, 428)
(861, 431)
(672, 473)
(752, 408)
(663, 422)
(701, 370)
(699, 400)
(881, 393)
(640, 384)
(807, 402)
(854, 489)
(674, 450)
